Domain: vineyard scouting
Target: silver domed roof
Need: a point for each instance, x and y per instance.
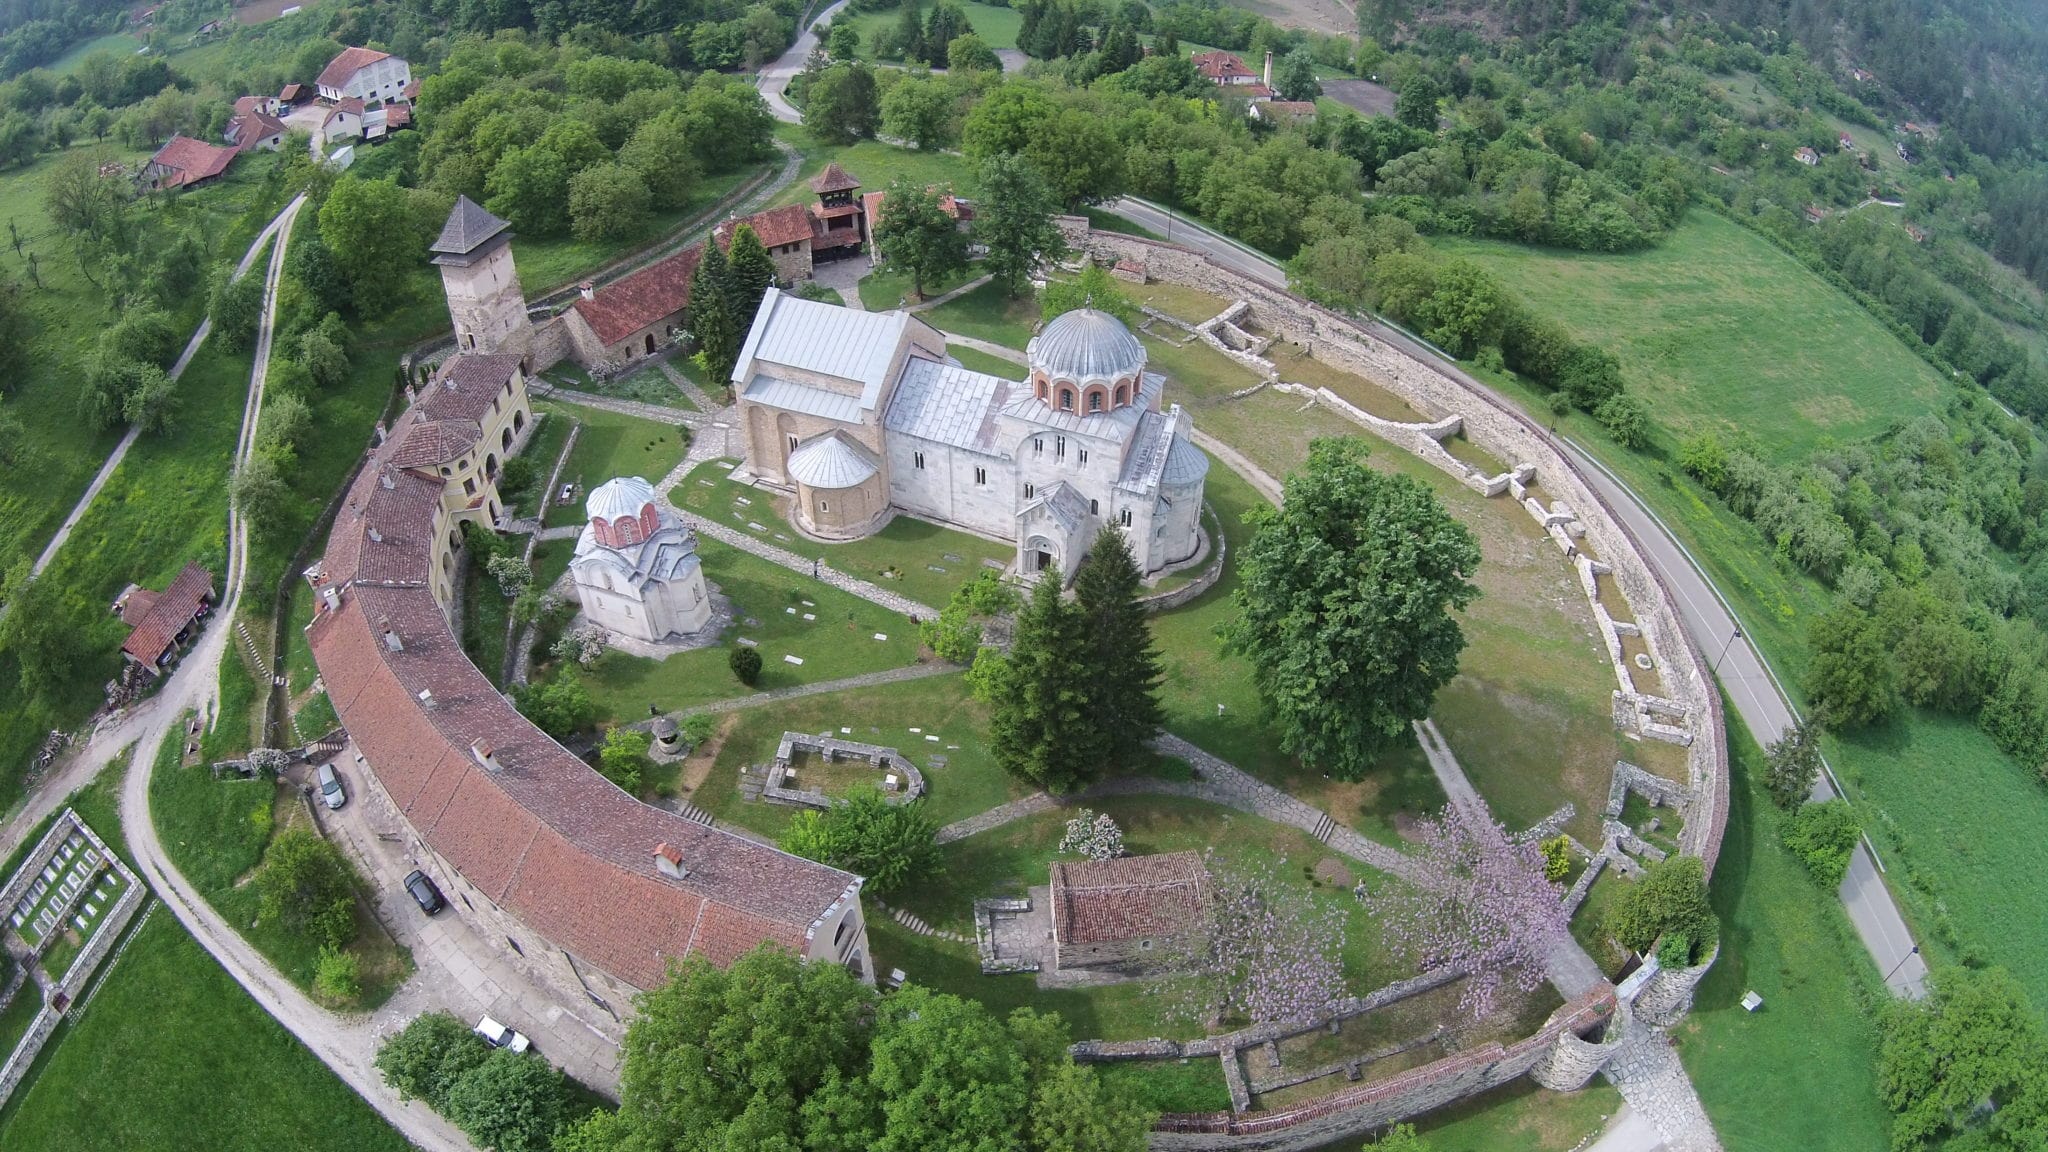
(831, 462)
(1086, 344)
(619, 496)
(1185, 463)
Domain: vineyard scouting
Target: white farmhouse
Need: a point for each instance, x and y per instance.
(636, 568)
(863, 415)
(363, 74)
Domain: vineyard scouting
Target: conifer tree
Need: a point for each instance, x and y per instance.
(1042, 729)
(748, 273)
(710, 319)
(1124, 665)
(910, 32)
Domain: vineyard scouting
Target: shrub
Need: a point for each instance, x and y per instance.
(306, 885)
(337, 976)
(1674, 951)
(510, 1102)
(697, 729)
(1670, 898)
(1823, 835)
(1792, 766)
(1625, 418)
(745, 664)
(424, 1059)
(1093, 835)
(986, 678)
(1557, 858)
(890, 844)
(623, 757)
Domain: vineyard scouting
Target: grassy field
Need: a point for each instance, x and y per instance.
(549, 263)
(872, 163)
(612, 445)
(884, 714)
(997, 26)
(215, 831)
(1963, 843)
(1717, 329)
(1787, 938)
(769, 606)
(914, 557)
(173, 1054)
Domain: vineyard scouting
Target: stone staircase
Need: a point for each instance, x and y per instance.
(256, 659)
(1324, 829)
(916, 924)
(689, 811)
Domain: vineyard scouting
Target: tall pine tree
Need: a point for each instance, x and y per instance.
(710, 319)
(1042, 729)
(748, 273)
(1123, 668)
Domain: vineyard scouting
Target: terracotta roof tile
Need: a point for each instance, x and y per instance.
(1099, 901)
(1220, 66)
(776, 227)
(633, 302)
(434, 442)
(169, 614)
(833, 179)
(466, 385)
(346, 65)
(191, 161)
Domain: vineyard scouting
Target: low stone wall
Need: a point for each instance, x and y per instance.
(1666, 995)
(1106, 1051)
(1193, 589)
(882, 760)
(24, 1054)
(1508, 434)
(1352, 1112)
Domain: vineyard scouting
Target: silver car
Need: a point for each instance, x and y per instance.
(331, 790)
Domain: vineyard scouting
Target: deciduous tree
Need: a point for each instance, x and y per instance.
(922, 110)
(659, 152)
(890, 844)
(1974, 1041)
(370, 228)
(1670, 898)
(511, 1102)
(622, 758)
(1014, 221)
(1852, 678)
(1295, 77)
(607, 202)
(306, 885)
(1264, 951)
(1792, 765)
(1345, 610)
(842, 104)
(424, 1059)
(917, 235)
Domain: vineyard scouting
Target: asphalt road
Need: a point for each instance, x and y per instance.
(774, 78)
(1702, 610)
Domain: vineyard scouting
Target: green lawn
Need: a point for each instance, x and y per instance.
(837, 644)
(915, 557)
(884, 714)
(975, 361)
(173, 1054)
(612, 445)
(484, 613)
(871, 162)
(887, 287)
(987, 313)
(1717, 329)
(1787, 938)
(997, 26)
(646, 384)
(215, 832)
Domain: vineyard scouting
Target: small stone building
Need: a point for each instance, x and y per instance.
(1121, 914)
(163, 622)
(636, 567)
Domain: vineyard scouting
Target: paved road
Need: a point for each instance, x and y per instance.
(774, 78)
(1757, 696)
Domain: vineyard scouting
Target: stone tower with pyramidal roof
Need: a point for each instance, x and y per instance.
(474, 251)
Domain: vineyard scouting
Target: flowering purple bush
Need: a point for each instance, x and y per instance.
(1268, 951)
(1093, 835)
(1479, 903)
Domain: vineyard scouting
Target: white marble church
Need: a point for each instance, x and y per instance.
(863, 415)
(636, 568)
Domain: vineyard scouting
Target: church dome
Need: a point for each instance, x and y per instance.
(1086, 345)
(1185, 464)
(621, 496)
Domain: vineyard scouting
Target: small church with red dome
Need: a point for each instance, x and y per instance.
(636, 568)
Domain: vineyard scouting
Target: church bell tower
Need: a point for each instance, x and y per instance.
(474, 252)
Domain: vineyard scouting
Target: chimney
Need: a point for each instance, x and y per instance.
(587, 289)
(376, 537)
(383, 433)
(391, 639)
(668, 860)
(1269, 69)
(332, 596)
(412, 396)
(384, 478)
(480, 751)
(426, 697)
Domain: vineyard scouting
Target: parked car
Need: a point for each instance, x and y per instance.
(330, 787)
(424, 893)
(499, 1036)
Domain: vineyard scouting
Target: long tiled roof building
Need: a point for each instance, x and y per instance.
(596, 892)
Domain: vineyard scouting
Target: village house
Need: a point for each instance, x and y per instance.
(292, 95)
(185, 163)
(162, 623)
(1228, 70)
(255, 125)
(634, 316)
(1807, 156)
(344, 121)
(363, 74)
(1124, 914)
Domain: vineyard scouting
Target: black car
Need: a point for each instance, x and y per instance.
(424, 893)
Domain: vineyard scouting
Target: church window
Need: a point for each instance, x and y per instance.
(981, 475)
(1059, 447)
(1066, 399)
(792, 443)
(1094, 507)
(1124, 518)
(1123, 395)
(824, 506)
(1095, 401)
(918, 459)
(1038, 445)
(1029, 490)
(1084, 457)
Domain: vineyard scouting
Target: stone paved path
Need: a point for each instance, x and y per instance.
(688, 387)
(996, 817)
(999, 351)
(654, 412)
(823, 687)
(1457, 788)
(1267, 486)
(799, 564)
(955, 294)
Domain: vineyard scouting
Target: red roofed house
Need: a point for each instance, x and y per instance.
(185, 163)
(293, 95)
(592, 892)
(344, 121)
(1220, 67)
(255, 124)
(163, 622)
(363, 74)
(634, 316)
(1122, 913)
